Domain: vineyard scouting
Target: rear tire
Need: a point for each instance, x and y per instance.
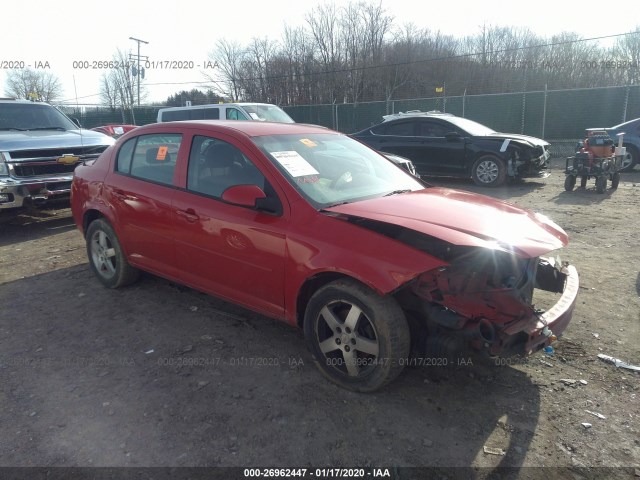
(583, 181)
(106, 256)
(615, 180)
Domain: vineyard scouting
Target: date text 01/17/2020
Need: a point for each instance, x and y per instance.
(317, 473)
(402, 361)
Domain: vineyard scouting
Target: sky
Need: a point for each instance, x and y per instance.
(64, 37)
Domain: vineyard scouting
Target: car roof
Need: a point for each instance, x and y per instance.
(250, 128)
(628, 122)
(21, 101)
(415, 113)
(209, 105)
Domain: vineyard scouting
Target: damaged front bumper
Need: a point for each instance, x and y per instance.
(492, 310)
(528, 336)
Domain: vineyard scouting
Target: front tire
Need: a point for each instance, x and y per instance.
(488, 171)
(601, 184)
(359, 339)
(106, 256)
(569, 183)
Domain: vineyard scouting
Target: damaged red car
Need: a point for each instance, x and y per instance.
(314, 228)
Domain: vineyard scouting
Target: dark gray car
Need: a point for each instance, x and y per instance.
(444, 145)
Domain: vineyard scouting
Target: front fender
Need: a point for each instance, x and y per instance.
(330, 244)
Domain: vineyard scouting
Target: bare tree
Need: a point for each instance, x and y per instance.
(627, 54)
(255, 69)
(354, 54)
(118, 87)
(324, 24)
(33, 85)
(229, 57)
(297, 56)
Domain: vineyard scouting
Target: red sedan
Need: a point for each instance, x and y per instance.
(306, 225)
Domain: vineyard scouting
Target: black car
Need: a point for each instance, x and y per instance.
(402, 163)
(441, 144)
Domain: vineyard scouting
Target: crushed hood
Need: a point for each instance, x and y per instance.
(538, 142)
(463, 218)
(11, 141)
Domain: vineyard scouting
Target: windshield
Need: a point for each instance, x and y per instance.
(33, 116)
(330, 169)
(471, 127)
(267, 113)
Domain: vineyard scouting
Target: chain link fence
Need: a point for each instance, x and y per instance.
(559, 116)
(94, 116)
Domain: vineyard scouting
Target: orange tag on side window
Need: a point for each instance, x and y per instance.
(162, 153)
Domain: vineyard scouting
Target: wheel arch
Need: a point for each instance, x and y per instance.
(481, 153)
(313, 284)
(635, 149)
(88, 217)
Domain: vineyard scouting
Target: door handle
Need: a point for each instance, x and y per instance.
(189, 215)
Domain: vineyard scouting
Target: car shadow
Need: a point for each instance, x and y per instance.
(582, 196)
(158, 375)
(34, 223)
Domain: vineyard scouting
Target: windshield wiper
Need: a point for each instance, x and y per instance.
(61, 129)
(14, 129)
(396, 192)
(334, 205)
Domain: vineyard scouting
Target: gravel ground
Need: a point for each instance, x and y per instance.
(160, 375)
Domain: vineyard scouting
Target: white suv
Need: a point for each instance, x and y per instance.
(264, 112)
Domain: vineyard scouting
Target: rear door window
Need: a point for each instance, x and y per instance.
(154, 157)
(400, 129)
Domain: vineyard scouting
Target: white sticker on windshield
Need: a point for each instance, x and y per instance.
(293, 163)
(118, 130)
(254, 116)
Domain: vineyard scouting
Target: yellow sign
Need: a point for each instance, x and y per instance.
(439, 89)
(68, 159)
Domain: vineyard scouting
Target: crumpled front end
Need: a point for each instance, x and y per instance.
(529, 162)
(486, 299)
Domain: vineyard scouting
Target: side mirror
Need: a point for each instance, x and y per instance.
(243, 195)
(452, 136)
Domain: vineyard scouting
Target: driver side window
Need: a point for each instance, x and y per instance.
(215, 165)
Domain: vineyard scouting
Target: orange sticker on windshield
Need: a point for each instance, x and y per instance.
(308, 143)
(162, 153)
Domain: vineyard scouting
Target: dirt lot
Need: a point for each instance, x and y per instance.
(159, 375)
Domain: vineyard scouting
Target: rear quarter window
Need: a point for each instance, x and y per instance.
(125, 154)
